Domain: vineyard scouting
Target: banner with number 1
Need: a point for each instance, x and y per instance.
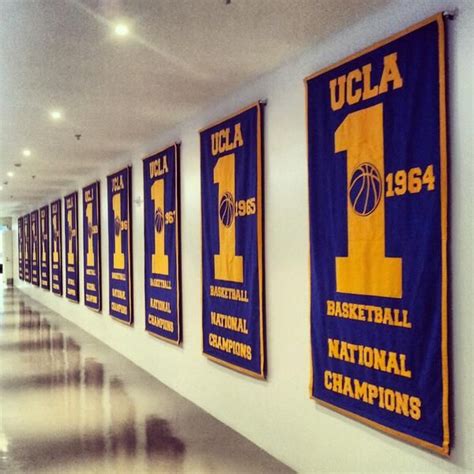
(162, 245)
(91, 246)
(56, 248)
(71, 238)
(120, 245)
(232, 242)
(44, 248)
(378, 233)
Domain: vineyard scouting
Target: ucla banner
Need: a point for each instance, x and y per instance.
(378, 230)
(56, 248)
(44, 244)
(71, 236)
(162, 244)
(120, 245)
(20, 249)
(27, 248)
(34, 248)
(232, 242)
(91, 246)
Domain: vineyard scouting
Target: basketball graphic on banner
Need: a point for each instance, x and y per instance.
(159, 220)
(117, 226)
(365, 189)
(227, 209)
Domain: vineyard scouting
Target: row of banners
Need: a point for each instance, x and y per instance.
(378, 233)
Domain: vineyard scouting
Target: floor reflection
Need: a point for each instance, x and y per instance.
(160, 440)
(123, 435)
(66, 406)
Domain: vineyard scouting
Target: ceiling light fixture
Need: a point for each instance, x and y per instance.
(26, 152)
(56, 115)
(121, 29)
(1, 188)
(10, 174)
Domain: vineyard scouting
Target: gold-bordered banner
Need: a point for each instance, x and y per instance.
(27, 249)
(119, 197)
(56, 248)
(377, 161)
(44, 248)
(232, 242)
(92, 257)
(71, 238)
(161, 197)
(20, 249)
(34, 245)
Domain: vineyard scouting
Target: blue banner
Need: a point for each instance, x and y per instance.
(56, 248)
(44, 250)
(120, 245)
(27, 248)
(378, 233)
(91, 246)
(71, 238)
(232, 242)
(20, 249)
(162, 244)
(34, 248)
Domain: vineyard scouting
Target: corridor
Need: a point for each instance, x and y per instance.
(68, 403)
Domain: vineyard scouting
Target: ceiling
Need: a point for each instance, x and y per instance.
(122, 92)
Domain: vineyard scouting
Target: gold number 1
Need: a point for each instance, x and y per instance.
(366, 270)
(55, 239)
(70, 253)
(119, 257)
(227, 265)
(159, 259)
(27, 250)
(43, 240)
(90, 257)
(33, 226)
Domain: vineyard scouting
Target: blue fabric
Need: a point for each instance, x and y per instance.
(162, 290)
(27, 247)
(120, 279)
(44, 248)
(411, 139)
(56, 243)
(241, 348)
(71, 240)
(34, 248)
(92, 230)
(20, 249)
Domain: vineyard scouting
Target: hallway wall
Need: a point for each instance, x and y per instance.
(6, 255)
(278, 414)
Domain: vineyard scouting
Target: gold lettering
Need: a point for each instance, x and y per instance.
(335, 85)
(390, 73)
(353, 96)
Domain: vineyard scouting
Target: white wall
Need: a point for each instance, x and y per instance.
(278, 414)
(6, 255)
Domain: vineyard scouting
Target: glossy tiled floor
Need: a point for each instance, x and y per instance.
(68, 404)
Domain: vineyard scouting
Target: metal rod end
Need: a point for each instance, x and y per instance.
(450, 14)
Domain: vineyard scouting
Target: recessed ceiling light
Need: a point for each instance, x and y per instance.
(10, 174)
(1, 188)
(56, 115)
(26, 152)
(121, 29)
